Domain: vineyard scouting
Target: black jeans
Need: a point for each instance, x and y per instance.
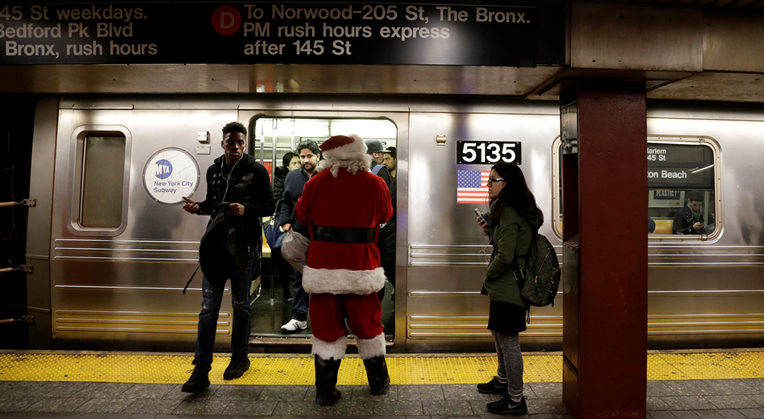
(212, 295)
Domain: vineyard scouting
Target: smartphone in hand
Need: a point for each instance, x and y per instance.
(478, 213)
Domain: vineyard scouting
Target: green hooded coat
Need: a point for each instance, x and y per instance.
(511, 238)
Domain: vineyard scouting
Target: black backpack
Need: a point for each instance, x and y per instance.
(223, 250)
(539, 281)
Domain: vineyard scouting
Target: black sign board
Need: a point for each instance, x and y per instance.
(524, 34)
(488, 152)
(680, 166)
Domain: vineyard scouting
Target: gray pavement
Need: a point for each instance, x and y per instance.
(709, 399)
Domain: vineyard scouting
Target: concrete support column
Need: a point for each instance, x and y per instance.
(605, 205)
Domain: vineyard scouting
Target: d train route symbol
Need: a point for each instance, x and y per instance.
(164, 169)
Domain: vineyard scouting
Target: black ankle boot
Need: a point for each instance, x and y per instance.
(326, 378)
(197, 383)
(377, 375)
(237, 367)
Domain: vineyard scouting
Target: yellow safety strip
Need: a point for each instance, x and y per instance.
(113, 367)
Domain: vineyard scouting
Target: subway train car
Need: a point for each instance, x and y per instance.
(111, 249)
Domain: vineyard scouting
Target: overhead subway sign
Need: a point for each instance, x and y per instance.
(523, 34)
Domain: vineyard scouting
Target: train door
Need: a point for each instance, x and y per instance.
(274, 137)
(121, 248)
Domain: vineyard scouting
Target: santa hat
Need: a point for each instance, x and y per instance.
(343, 147)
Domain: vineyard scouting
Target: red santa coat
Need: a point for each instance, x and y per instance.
(360, 200)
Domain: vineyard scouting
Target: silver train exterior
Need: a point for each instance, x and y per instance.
(120, 286)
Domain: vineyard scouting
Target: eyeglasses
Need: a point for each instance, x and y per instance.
(494, 179)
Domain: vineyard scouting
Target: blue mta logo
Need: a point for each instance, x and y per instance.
(164, 169)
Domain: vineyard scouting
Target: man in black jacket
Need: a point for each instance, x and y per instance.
(386, 241)
(690, 219)
(237, 179)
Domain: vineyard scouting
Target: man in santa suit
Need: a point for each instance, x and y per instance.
(343, 207)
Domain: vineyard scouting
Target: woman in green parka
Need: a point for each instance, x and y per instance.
(514, 218)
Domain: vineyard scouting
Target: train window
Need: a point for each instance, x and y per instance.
(102, 186)
(683, 188)
(682, 185)
(272, 138)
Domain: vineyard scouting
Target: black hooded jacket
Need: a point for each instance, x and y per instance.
(248, 185)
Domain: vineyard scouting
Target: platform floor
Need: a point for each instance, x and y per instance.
(116, 385)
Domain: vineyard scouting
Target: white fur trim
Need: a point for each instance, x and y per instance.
(371, 348)
(329, 350)
(342, 281)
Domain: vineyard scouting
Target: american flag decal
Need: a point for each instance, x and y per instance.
(471, 186)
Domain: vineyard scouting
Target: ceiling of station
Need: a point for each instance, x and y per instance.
(738, 5)
(538, 83)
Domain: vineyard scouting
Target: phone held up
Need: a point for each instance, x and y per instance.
(478, 213)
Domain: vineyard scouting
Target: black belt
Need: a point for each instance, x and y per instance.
(343, 234)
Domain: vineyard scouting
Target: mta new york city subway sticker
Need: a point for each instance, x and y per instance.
(170, 174)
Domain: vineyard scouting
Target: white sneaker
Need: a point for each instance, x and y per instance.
(294, 326)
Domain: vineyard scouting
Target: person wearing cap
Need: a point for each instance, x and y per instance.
(387, 237)
(376, 150)
(343, 206)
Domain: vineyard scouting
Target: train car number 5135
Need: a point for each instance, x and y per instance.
(488, 152)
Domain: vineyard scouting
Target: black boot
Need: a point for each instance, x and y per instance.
(377, 375)
(326, 378)
(197, 383)
(239, 364)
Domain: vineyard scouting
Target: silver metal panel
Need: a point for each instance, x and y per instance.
(39, 222)
(448, 253)
(695, 288)
(133, 279)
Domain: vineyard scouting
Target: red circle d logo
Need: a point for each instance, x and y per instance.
(226, 20)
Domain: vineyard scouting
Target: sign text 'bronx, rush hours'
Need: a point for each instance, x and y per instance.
(519, 34)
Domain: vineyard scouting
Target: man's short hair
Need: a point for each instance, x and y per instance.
(391, 151)
(309, 144)
(234, 127)
(696, 196)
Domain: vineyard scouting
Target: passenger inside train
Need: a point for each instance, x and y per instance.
(282, 269)
(309, 155)
(692, 219)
